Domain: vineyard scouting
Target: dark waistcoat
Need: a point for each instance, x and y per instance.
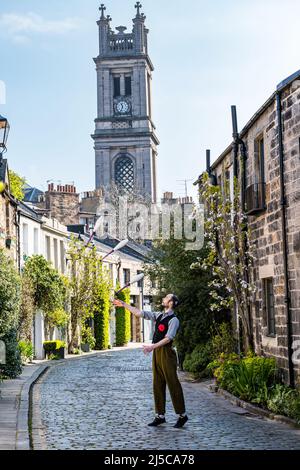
(161, 327)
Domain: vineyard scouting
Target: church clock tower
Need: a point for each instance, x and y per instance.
(125, 139)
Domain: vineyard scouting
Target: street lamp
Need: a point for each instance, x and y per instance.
(4, 131)
(118, 247)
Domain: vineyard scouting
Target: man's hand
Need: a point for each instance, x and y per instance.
(148, 348)
(118, 303)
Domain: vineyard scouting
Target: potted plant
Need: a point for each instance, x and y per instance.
(54, 349)
(88, 340)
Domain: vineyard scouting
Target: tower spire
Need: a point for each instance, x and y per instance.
(102, 9)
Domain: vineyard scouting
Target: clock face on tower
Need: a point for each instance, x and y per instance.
(122, 107)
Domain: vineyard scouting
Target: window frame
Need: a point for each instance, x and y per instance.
(117, 79)
(126, 276)
(269, 305)
(128, 83)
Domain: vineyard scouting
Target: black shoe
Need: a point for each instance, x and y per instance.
(181, 421)
(157, 421)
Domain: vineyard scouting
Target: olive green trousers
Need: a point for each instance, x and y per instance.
(164, 367)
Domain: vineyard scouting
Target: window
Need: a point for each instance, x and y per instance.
(255, 196)
(36, 240)
(128, 88)
(124, 173)
(259, 160)
(62, 256)
(269, 306)
(126, 276)
(25, 240)
(55, 246)
(117, 86)
(48, 248)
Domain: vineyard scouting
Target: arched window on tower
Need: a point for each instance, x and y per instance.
(124, 173)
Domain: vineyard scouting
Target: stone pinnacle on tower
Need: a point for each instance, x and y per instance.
(138, 6)
(102, 8)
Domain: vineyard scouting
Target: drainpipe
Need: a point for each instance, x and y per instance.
(18, 218)
(283, 201)
(235, 135)
(239, 143)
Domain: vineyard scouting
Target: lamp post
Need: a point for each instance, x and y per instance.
(4, 131)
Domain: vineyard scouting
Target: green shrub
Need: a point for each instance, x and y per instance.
(197, 361)
(13, 366)
(26, 350)
(223, 340)
(123, 320)
(9, 295)
(284, 400)
(101, 317)
(248, 378)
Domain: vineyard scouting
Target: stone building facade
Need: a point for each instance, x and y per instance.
(125, 139)
(272, 203)
(9, 232)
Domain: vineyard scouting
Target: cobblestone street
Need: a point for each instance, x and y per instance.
(105, 402)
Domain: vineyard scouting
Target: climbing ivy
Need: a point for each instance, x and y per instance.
(123, 320)
(102, 311)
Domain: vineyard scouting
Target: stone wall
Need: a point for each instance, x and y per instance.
(8, 221)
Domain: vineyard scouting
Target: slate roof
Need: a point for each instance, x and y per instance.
(29, 212)
(32, 194)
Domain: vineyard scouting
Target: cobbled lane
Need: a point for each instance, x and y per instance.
(105, 402)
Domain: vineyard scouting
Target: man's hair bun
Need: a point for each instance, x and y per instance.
(175, 300)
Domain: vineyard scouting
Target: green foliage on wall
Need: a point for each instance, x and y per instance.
(9, 294)
(102, 314)
(123, 320)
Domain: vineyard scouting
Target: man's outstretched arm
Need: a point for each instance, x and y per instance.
(134, 310)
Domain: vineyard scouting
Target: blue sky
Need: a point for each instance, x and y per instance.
(207, 56)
